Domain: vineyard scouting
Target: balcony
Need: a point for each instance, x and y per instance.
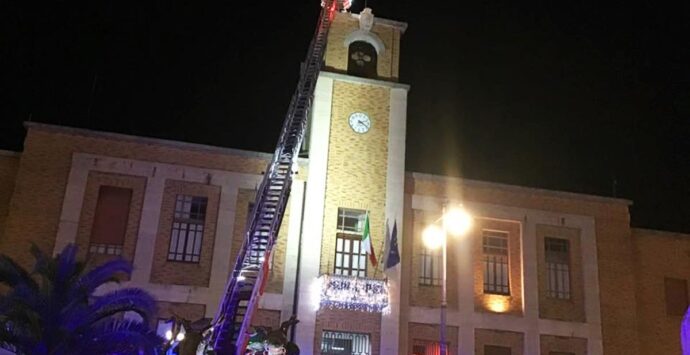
(353, 293)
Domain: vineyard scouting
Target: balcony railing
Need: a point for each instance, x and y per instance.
(354, 293)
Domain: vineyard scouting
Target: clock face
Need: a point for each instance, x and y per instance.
(360, 122)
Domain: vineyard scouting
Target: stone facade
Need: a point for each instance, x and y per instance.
(9, 164)
(550, 343)
(572, 309)
(658, 255)
(387, 32)
(356, 174)
(430, 333)
(497, 303)
(492, 337)
(48, 196)
(95, 180)
(166, 271)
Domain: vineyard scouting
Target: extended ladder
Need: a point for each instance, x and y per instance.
(245, 284)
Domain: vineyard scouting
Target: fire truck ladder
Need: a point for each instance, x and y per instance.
(245, 284)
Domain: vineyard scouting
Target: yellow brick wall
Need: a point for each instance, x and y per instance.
(659, 255)
(614, 245)
(187, 311)
(266, 318)
(277, 273)
(177, 272)
(336, 56)
(357, 164)
(548, 343)
(45, 165)
(430, 333)
(483, 302)
(512, 340)
(572, 309)
(9, 163)
(95, 180)
(348, 321)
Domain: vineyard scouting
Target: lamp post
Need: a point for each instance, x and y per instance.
(455, 221)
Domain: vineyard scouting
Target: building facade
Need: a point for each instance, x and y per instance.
(540, 272)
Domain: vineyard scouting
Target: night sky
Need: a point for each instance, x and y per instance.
(566, 96)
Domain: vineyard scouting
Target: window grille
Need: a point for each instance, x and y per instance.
(344, 343)
(495, 260)
(350, 258)
(188, 228)
(108, 249)
(557, 252)
(430, 267)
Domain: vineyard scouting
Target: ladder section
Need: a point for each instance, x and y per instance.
(245, 284)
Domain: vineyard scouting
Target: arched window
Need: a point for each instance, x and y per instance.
(361, 60)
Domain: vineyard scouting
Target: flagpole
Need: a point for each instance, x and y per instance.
(381, 256)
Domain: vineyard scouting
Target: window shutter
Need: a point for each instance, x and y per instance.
(676, 296)
(112, 213)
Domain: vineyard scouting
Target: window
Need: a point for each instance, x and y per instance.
(430, 267)
(362, 59)
(342, 343)
(557, 252)
(188, 228)
(676, 291)
(496, 350)
(110, 220)
(426, 347)
(495, 260)
(350, 258)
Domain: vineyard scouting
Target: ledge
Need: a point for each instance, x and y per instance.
(365, 81)
(151, 141)
(10, 153)
(518, 189)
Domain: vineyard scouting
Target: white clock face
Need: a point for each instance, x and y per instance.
(360, 122)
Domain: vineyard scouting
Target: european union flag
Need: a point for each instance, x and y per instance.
(393, 257)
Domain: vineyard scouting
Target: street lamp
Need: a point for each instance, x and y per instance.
(455, 221)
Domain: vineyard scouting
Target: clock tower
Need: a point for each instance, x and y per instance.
(356, 174)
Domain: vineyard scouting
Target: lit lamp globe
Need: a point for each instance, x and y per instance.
(433, 237)
(457, 221)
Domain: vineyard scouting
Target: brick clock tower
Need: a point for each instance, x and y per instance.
(356, 148)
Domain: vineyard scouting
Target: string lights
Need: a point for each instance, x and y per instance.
(353, 293)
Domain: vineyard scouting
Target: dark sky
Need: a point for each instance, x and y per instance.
(564, 95)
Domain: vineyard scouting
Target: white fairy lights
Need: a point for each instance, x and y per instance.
(354, 293)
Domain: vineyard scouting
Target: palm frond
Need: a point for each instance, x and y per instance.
(113, 303)
(65, 269)
(101, 274)
(120, 336)
(13, 275)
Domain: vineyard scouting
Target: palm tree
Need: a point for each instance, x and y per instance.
(53, 310)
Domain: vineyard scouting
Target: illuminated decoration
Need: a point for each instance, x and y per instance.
(496, 303)
(345, 4)
(354, 293)
(457, 221)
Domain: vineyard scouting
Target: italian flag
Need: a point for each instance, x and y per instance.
(366, 242)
